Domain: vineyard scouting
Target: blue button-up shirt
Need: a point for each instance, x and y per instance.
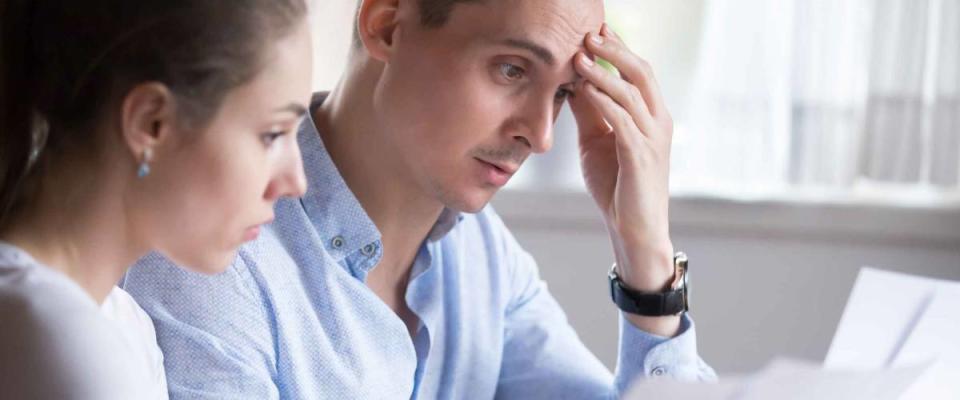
(292, 318)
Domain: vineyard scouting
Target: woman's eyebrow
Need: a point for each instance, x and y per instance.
(295, 108)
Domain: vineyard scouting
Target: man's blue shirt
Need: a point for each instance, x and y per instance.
(292, 318)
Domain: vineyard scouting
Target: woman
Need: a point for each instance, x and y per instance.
(125, 127)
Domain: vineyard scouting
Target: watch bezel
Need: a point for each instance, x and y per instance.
(681, 264)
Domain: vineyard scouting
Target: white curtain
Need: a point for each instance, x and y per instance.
(824, 93)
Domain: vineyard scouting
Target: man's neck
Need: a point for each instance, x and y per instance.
(375, 173)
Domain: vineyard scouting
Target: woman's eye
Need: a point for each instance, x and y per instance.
(269, 138)
(511, 72)
(562, 95)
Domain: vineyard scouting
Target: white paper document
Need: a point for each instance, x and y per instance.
(789, 380)
(898, 339)
(881, 312)
(895, 319)
(935, 338)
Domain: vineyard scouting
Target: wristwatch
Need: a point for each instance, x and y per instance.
(670, 302)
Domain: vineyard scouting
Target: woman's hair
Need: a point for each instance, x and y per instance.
(66, 65)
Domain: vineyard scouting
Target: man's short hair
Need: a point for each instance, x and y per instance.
(433, 14)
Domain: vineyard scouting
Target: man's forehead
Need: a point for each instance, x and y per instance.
(552, 30)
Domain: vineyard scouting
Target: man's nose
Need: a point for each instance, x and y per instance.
(535, 128)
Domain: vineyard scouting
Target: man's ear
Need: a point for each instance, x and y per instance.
(377, 25)
(148, 118)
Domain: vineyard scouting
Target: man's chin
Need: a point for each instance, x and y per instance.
(470, 202)
(473, 209)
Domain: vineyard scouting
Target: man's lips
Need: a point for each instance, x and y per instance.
(496, 174)
(506, 168)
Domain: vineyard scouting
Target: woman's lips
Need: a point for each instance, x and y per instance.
(251, 233)
(254, 231)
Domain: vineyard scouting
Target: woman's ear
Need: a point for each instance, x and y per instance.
(148, 117)
(377, 24)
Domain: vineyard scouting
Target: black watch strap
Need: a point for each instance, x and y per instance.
(670, 302)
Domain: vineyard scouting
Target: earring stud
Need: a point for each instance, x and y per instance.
(144, 169)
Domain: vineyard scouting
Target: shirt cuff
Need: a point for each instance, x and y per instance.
(644, 355)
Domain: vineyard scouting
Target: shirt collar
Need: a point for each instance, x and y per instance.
(448, 220)
(334, 211)
(332, 208)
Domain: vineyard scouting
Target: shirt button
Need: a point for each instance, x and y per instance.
(337, 242)
(369, 249)
(658, 371)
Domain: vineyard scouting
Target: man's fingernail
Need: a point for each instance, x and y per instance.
(586, 60)
(596, 39)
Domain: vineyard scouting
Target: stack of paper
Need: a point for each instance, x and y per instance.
(788, 380)
(898, 339)
(895, 319)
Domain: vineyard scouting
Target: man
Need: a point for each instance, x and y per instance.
(391, 278)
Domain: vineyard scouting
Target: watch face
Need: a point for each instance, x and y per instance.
(686, 291)
(686, 283)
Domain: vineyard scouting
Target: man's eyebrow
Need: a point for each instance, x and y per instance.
(297, 109)
(541, 52)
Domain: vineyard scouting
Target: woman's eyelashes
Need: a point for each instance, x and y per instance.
(269, 137)
(279, 130)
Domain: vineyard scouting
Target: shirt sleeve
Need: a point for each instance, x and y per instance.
(214, 331)
(545, 359)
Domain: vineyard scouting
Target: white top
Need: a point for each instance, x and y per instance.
(56, 342)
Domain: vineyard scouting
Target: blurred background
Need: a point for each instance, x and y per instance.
(812, 137)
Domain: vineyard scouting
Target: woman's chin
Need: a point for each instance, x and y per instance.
(207, 262)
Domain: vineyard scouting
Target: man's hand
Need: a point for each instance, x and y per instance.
(625, 137)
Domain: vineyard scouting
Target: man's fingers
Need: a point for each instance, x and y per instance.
(622, 92)
(635, 70)
(590, 121)
(622, 123)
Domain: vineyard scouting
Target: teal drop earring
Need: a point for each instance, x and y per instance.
(144, 168)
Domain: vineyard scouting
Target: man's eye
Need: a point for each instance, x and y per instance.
(511, 72)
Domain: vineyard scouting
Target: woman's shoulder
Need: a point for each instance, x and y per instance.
(41, 309)
(43, 304)
(121, 307)
(41, 297)
(54, 342)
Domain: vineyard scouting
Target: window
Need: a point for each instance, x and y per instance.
(851, 97)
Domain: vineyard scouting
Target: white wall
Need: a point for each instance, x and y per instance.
(331, 23)
(768, 278)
